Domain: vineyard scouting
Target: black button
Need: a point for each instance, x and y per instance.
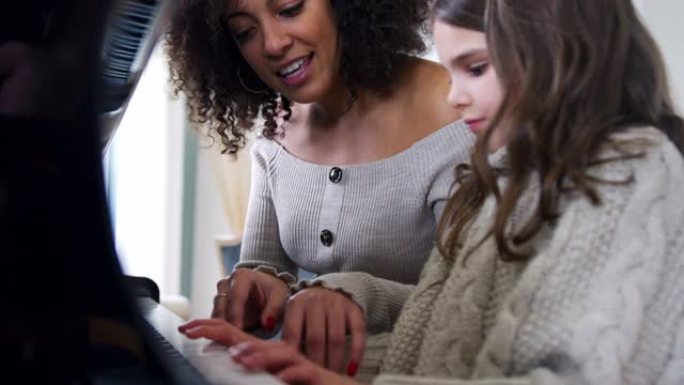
(335, 175)
(326, 238)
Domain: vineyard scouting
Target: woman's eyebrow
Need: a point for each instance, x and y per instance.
(233, 15)
(242, 13)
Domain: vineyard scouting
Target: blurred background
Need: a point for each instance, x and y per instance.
(178, 205)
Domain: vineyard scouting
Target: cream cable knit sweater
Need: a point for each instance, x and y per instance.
(602, 301)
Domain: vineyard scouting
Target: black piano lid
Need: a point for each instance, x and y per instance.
(67, 315)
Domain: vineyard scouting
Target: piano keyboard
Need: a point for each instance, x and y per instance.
(133, 31)
(210, 359)
(129, 41)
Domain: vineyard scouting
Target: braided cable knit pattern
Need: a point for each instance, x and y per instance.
(600, 302)
(407, 335)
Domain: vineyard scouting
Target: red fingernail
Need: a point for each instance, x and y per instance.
(352, 369)
(270, 323)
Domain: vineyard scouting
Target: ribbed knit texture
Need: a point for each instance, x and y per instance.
(382, 215)
(601, 302)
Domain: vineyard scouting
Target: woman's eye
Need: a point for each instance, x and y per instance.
(293, 10)
(243, 35)
(477, 69)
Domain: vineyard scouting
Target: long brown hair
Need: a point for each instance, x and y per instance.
(573, 72)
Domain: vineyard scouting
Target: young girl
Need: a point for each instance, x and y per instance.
(562, 252)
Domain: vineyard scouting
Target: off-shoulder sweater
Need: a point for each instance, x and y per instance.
(379, 217)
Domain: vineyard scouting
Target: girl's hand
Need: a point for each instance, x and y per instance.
(215, 329)
(285, 362)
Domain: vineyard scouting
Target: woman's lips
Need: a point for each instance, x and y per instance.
(299, 76)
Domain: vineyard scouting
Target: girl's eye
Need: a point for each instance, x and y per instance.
(293, 10)
(478, 69)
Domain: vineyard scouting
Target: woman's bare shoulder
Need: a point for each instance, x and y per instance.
(425, 89)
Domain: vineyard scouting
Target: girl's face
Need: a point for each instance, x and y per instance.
(475, 89)
(292, 45)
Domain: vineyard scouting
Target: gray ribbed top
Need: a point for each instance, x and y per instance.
(381, 215)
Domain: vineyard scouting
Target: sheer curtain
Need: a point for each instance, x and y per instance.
(232, 176)
(233, 180)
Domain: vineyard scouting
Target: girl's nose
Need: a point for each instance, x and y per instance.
(458, 97)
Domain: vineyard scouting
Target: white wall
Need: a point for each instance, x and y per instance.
(146, 181)
(146, 185)
(664, 19)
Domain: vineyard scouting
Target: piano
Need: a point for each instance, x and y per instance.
(211, 360)
(135, 26)
(69, 315)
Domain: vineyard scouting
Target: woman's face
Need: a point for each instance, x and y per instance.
(292, 45)
(475, 89)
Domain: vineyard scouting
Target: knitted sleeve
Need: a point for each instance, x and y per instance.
(601, 302)
(261, 248)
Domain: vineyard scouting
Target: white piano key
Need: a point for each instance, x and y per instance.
(212, 360)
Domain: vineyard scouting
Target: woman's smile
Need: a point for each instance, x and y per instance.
(296, 72)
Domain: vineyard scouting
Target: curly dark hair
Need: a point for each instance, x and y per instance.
(203, 58)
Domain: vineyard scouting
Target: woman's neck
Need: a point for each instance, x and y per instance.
(341, 109)
(377, 124)
(344, 103)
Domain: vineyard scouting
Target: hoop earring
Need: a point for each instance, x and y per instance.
(242, 83)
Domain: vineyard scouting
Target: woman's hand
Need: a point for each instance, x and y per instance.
(320, 319)
(249, 299)
(285, 362)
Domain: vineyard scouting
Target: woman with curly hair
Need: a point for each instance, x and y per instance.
(561, 254)
(355, 161)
